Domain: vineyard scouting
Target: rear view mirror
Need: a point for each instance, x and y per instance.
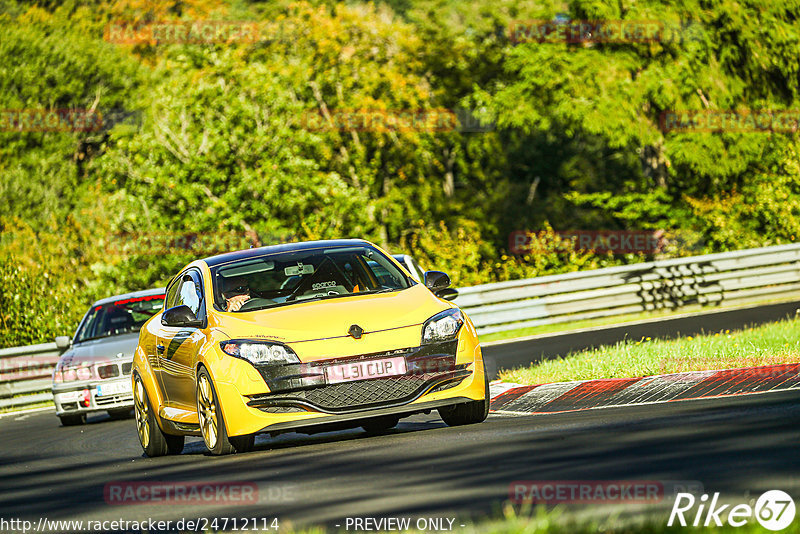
(448, 293)
(63, 342)
(436, 280)
(181, 316)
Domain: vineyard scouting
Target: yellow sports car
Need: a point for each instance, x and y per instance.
(305, 337)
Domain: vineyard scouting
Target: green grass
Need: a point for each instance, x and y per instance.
(770, 344)
(604, 321)
(10, 409)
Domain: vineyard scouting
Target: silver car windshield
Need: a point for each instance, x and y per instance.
(120, 317)
(289, 277)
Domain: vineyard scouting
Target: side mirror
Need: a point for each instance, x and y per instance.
(63, 342)
(181, 316)
(436, 281)
(449, 293)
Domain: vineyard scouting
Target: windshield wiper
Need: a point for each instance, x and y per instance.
(375, 291)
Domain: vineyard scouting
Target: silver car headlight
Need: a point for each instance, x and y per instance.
(259, 352)
(443, 326)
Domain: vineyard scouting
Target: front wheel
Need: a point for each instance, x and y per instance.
(212, 424)
(152, 439)
(468, 413)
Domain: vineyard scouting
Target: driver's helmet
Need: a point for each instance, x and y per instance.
(237, 285)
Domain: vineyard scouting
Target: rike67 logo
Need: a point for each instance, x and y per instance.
(774, 510)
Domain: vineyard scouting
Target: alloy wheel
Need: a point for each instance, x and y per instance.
(207, 412)
(141, 409)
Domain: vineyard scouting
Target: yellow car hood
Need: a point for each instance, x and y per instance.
(332, 318)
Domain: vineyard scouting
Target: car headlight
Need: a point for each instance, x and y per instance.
(84, 373)
(443, 326)
(71, 374)
(259, 351)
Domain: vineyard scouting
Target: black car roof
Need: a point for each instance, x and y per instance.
(228, 257)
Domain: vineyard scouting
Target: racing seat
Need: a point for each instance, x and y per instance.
(118, 321)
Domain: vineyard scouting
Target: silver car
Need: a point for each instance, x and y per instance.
(95, 373)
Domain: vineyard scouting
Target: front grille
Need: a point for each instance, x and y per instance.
(126, 368)
(353, 395)
(281, 409)
(365, 392)
(302, 386)
(113, 399)
(359, 395)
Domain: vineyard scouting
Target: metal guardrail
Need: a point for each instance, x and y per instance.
(25, 374)
(730, 278)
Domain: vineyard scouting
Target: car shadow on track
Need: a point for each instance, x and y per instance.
(291, 440)
(730, 445)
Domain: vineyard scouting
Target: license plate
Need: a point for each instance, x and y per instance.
(114, 388)
(368, 369)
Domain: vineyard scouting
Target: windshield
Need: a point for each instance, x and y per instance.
(120, 317)
(299, 276)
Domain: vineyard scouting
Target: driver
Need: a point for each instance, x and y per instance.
(236, 292)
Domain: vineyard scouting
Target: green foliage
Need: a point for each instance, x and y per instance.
(30, 307)
(46, 277)
(236, 142)
(45, 65)
(472, 261)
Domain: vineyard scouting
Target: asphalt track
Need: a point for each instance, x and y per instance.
(737, 446)
(740, 447)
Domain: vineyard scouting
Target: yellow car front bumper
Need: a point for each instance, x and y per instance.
(246, 413)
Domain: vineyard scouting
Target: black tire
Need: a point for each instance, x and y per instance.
(212, 422)
(380, 424)
(468, 413)
(72, 420)
(153, 441)
(120, 413)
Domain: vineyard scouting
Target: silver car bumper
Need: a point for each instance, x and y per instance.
(111, 394)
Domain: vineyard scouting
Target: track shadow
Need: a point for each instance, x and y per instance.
(423, 467)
